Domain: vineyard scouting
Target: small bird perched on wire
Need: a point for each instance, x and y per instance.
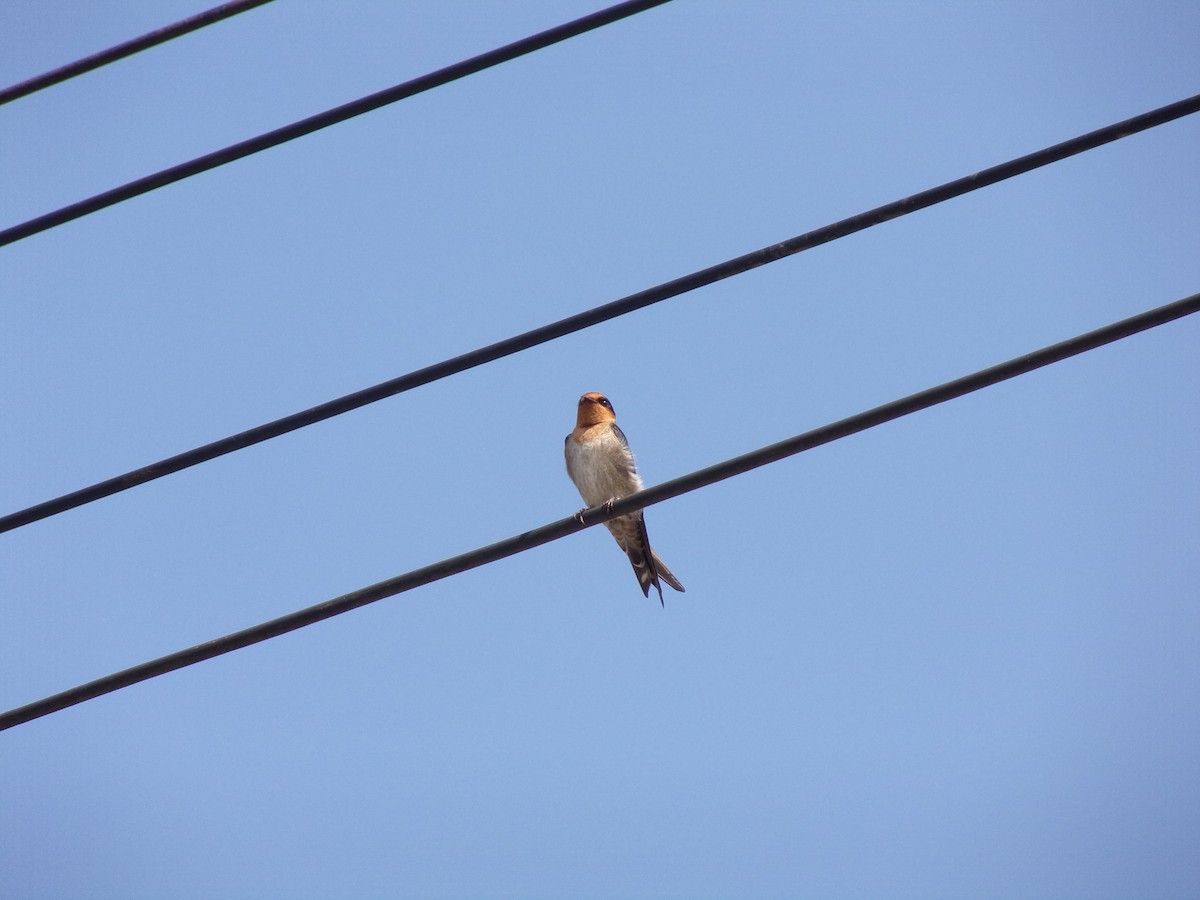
(601, 464)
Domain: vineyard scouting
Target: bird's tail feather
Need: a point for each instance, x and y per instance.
(664, 573)
(630, 533)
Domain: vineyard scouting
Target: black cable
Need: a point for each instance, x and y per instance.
(563, 527)
(120, 51)
(595, 316)
(325, 119)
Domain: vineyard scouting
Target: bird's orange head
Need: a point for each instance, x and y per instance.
(594, 409)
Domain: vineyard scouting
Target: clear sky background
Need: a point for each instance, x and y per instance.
(954, 656)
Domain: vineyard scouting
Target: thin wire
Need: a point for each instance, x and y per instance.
(325, 119)
(563, 527)
(595, 316)
(120, 51)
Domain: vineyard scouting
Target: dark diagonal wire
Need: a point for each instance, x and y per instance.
(120, 51)
(563, 527)
(595, 316)
(327, 118)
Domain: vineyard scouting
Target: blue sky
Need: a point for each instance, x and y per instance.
(954, 656)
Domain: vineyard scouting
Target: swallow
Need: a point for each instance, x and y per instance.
(601, 465)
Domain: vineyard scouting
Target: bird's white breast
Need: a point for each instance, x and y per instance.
(601, 468)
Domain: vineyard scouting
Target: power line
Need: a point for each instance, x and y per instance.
(325, 119)
(120, 51)
(612, 310)
(563, 527)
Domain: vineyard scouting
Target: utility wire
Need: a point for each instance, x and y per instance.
(597, 514)
(597, 315)
(325, 119)
(120, 51)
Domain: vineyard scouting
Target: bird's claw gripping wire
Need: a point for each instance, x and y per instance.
(607, 506)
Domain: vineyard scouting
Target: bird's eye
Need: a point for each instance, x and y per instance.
(605, 403)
